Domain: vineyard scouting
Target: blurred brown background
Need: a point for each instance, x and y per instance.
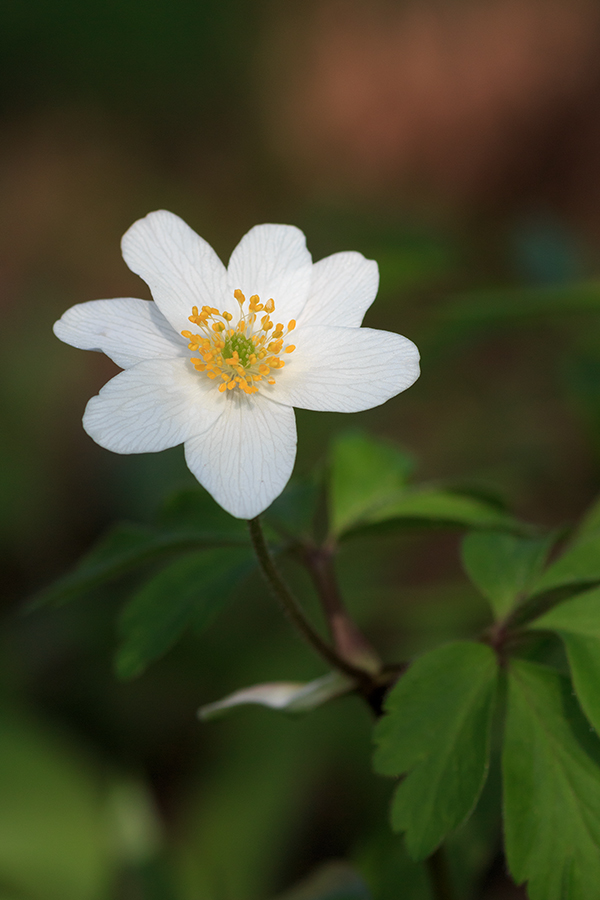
(458, 143)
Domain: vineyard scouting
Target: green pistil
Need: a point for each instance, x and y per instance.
(244, 346)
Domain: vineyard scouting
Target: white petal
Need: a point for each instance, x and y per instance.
(246, 460)
(156, 404)
(126, 329)
(346, 369)
(179, 267)
(342, 289)
(273, 262)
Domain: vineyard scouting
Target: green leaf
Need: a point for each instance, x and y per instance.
(289, 696)
(503, 566)
(437, 729)
(190, 519)
(189, 591)
(439, 507)
(590, 522)
(123, 547)
(293, 512)
(368, 487)
(579, 564)
(551, 788)
(364, 472)
(194, 512)
(577, 621)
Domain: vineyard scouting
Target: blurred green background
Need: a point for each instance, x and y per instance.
(458, 144)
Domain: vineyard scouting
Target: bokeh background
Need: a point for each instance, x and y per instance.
(456, 142)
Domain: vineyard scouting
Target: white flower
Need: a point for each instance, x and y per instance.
(212, 362)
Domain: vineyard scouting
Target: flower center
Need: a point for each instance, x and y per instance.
(243, 355)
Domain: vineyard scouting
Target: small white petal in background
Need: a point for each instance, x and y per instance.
(289, 696)
(220, 357)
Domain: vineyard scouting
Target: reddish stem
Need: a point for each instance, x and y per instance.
(348, 639)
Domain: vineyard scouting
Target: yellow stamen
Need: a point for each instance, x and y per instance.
(240, 354)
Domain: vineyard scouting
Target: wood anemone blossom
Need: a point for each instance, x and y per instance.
(209, 362)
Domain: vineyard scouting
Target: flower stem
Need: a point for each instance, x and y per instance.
(293, 609)
(348, 639)
(350, 646)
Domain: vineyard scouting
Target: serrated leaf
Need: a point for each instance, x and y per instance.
(288, 696)
(438, 507)
(188, 592)
(551, 788)
(364, 472)
(578, 565)
(503, 566)
(577, 621)
(437, 729)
